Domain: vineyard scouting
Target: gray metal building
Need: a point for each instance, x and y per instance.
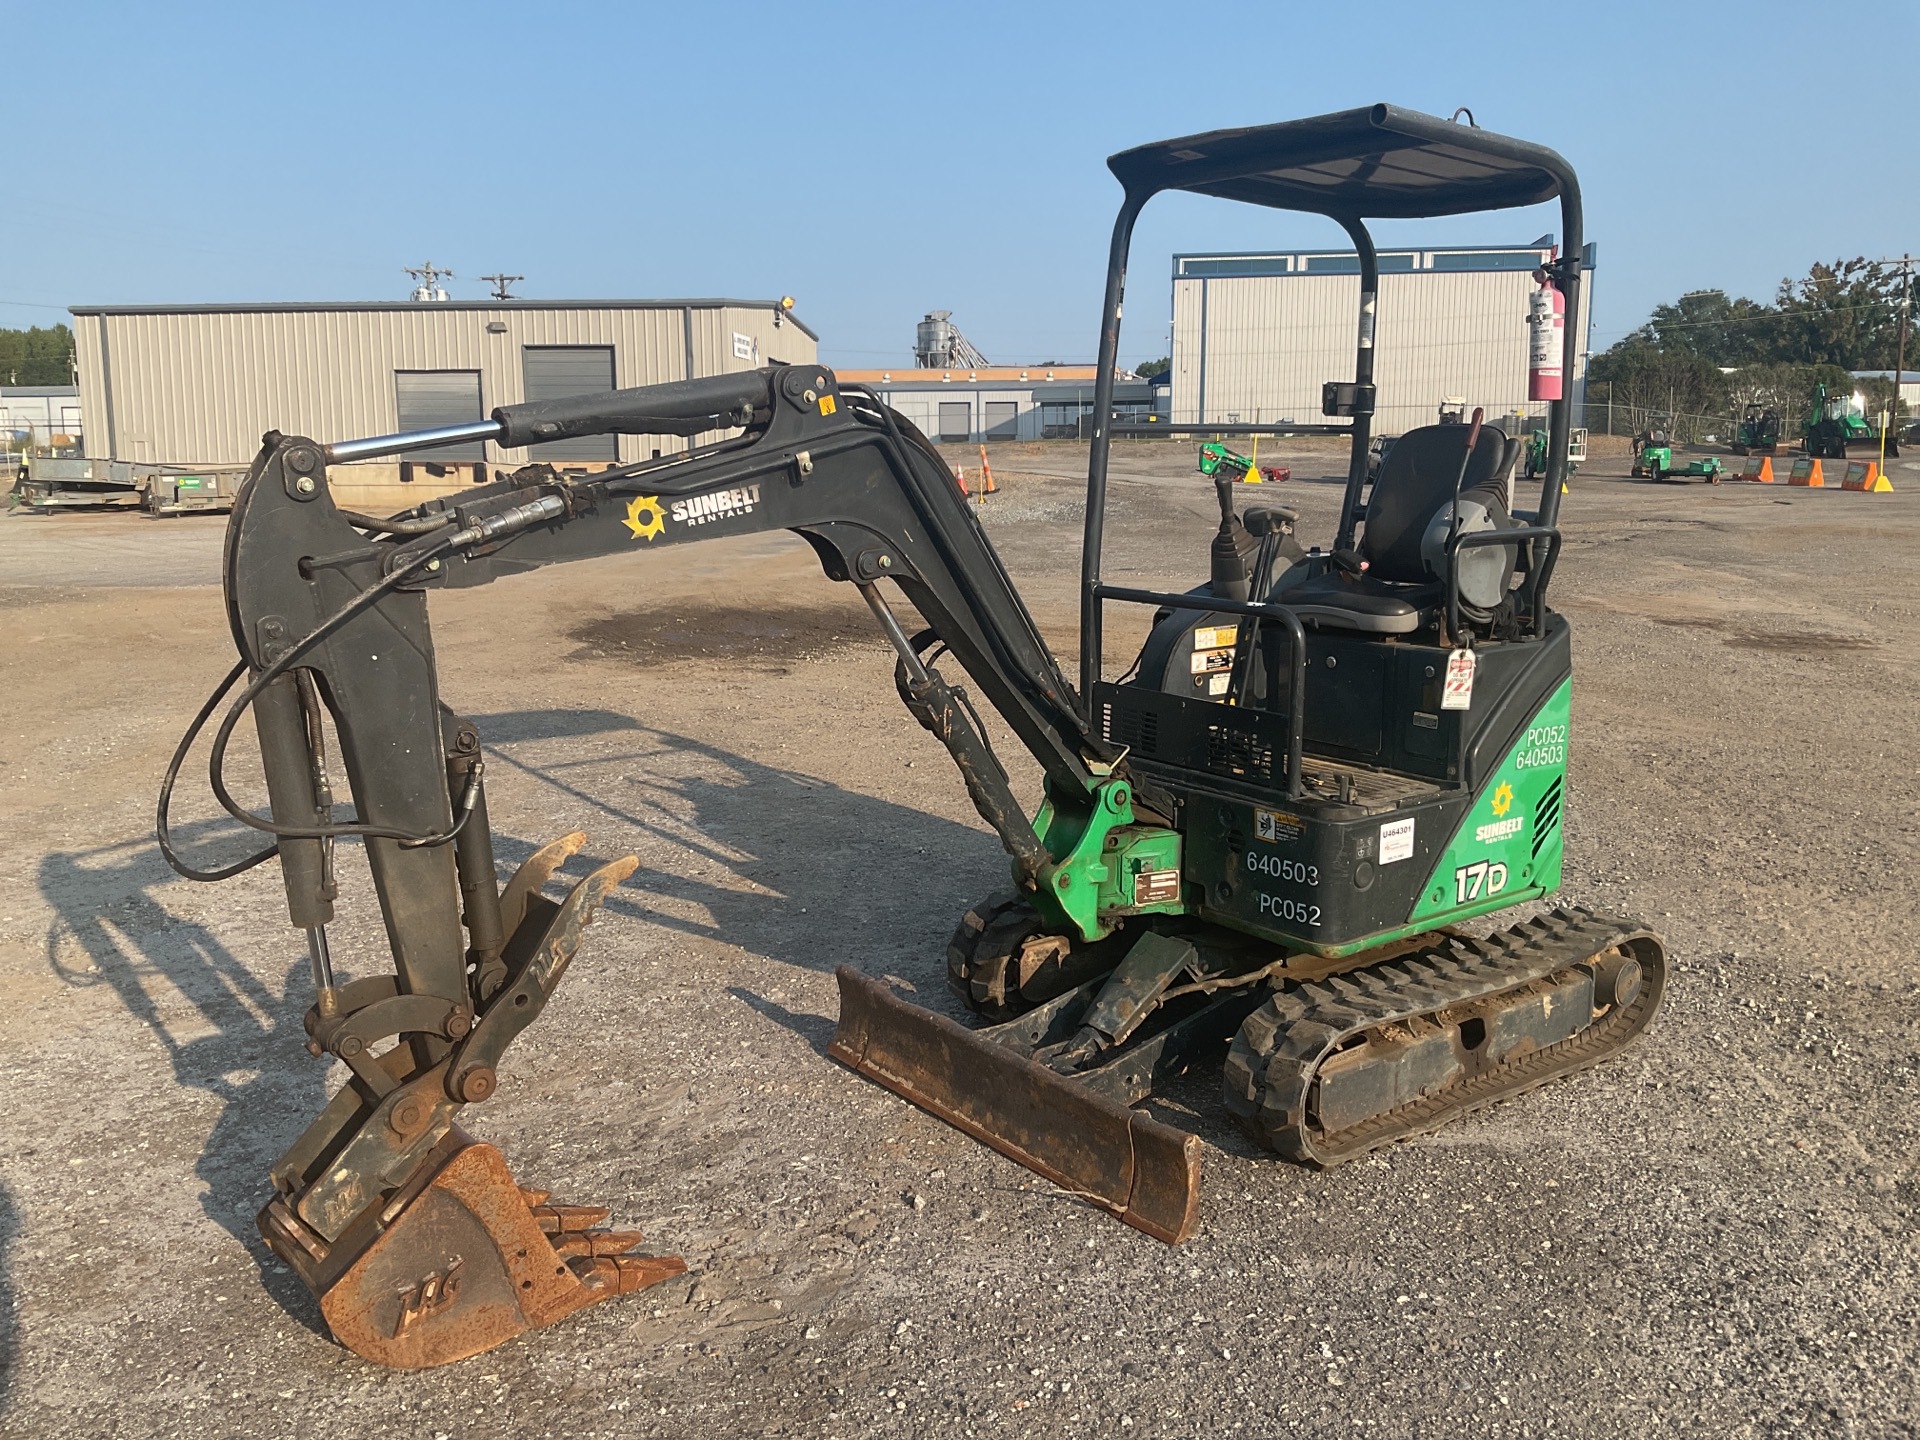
(198, 384)
(35, 414)
(1002, 402)
(1255, 336)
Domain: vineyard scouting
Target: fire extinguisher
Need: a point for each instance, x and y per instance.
(1547, 322)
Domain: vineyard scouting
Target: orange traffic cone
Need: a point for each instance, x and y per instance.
(960, 474)
(987, 487)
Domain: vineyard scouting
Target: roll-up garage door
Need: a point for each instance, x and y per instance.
(956, 419)
(430, 398)
(1003, 420)
(554, 372)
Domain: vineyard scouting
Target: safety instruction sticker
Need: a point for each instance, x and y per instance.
(1215, 637)
(1457, 693)
(1205, 662)
(1276, 827)
(1396, 841)
(1217, 684)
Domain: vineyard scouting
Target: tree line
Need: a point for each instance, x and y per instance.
(1704, 357)
(38, 356)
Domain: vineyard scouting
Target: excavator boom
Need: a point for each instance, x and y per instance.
(414, 1235)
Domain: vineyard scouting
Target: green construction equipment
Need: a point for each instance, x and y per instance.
(1216, 459)
(1273, 847)
(1838, 425)
(1758, 432)
(1653, 457)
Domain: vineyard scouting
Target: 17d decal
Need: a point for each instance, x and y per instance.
(1483, 877)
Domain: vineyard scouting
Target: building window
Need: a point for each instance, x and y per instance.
(1488, 259)
(956, 419)
(554, 372)
(1003, 420)
(427, 399)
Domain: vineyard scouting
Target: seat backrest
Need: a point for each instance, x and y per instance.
(1416, 480)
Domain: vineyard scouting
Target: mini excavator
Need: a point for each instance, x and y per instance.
(1257, 848)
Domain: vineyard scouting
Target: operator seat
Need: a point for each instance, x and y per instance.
(1402, 584)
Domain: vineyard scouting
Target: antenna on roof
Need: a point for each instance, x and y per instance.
(500, 284)
(429, 277)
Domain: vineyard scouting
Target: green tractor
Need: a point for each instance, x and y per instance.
(1217, 459)
(1653, 457)
(1758, 432)
(1837, 424)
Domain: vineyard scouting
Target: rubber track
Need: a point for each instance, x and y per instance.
(1270, 1070)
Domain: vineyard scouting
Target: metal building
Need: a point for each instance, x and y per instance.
(198, 384)
(1255, 336)
(33, 415)
(1001, 402)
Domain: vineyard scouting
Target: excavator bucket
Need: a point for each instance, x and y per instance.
(472, 1260)
(1143, 1172)
(457, 1258)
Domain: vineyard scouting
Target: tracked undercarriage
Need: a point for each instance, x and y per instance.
(1324, 1060)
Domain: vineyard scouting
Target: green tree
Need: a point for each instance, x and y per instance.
(1147, 369)
(1646, 380)
(1706, 322)
(37, 356)
(1845, 314)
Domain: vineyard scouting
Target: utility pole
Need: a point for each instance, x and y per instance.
(429, 277)
(500, 284)
(1899, 359)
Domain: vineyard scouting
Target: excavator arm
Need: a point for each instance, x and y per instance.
(413, 1234)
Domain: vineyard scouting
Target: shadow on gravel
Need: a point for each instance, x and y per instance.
(111, 930)
(790, 866)
(9, 1335)
(816, 1030)
(809, 874)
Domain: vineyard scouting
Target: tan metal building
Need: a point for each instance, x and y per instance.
(1255, 336)
(199, 384)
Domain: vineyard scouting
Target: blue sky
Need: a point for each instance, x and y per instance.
(876, 162)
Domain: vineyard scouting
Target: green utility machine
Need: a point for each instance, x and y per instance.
(1837, 425)
(1653, 457)
(1758, 432)
(1270, 848)
(1216, 459)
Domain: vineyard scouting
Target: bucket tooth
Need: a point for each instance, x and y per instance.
(624, 1274)
(555, 1218)
(583, 1244)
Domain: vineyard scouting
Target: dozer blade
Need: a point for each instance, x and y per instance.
(471, 1260)
(1145, 1173)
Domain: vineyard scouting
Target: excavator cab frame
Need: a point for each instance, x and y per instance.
(1379, 163)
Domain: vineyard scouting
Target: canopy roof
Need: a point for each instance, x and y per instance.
(1383, 162)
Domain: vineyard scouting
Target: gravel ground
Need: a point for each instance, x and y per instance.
(1711, 1236)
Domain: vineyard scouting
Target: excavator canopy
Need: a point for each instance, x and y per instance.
(1383, 162)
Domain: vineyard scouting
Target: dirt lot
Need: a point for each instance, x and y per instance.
(1713, 1236)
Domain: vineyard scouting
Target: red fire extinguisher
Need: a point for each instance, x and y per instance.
(1547, 323)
